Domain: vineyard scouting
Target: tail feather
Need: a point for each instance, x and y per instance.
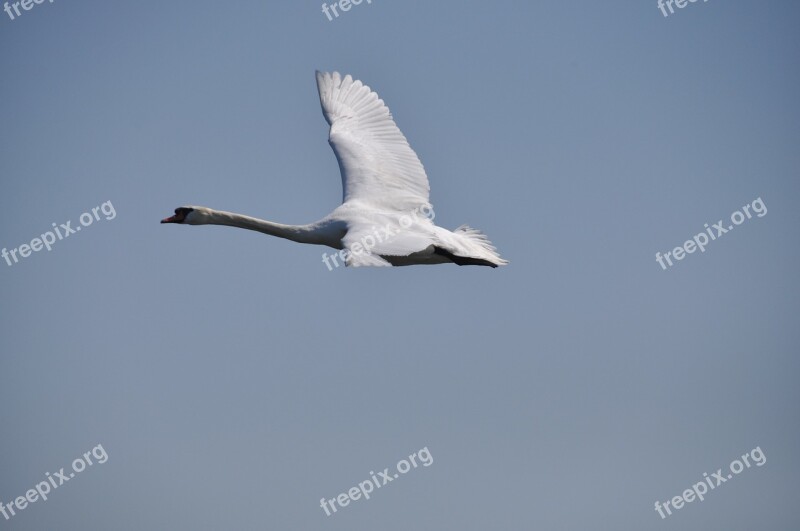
(482, 242)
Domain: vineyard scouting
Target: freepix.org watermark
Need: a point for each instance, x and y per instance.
(379, 235)
(13, 7)
(699, 489)
(343, 5)
(364, 488)
(41, 490)
(663, 5)
(701, 240)
(59, 232)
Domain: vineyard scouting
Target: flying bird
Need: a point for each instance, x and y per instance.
(385, 218)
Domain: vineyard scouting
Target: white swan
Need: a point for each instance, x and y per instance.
(385, 187)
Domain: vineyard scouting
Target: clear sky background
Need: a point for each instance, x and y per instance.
(234, 381)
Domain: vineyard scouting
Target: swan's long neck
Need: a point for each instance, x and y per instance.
(312, 233)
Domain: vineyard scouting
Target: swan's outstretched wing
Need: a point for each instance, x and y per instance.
(378, 166)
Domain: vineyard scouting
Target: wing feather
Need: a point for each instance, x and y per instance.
(378, 166)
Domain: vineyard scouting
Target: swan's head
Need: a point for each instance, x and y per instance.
(189, 215)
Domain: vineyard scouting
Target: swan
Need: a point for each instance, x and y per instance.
(385, 189)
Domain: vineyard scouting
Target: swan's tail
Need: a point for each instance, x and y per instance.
(479, 245)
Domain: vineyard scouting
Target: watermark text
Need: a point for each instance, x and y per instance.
(366, 487)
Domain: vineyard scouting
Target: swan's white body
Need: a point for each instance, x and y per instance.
(384, 190)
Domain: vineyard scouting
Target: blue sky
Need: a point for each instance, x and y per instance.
(234, 381)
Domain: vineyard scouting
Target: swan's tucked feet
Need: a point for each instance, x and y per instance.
(462, 260)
